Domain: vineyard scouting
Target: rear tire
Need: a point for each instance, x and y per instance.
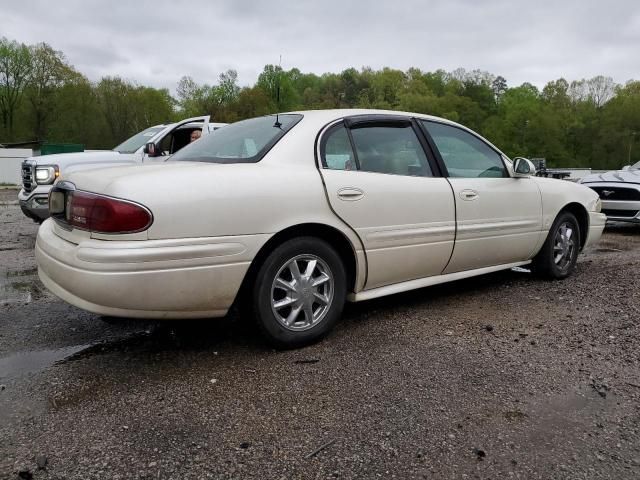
(299, 292)
(558, 256)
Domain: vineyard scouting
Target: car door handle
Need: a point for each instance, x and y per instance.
(468, 195)
(350, 194)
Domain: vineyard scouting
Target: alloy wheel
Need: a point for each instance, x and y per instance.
(302, 292)
(564, 246)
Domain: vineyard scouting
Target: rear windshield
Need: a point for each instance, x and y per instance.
(241, 142)
(138, 140)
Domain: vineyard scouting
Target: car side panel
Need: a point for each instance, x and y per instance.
(499, 221)
(204, 200)
(406, 224)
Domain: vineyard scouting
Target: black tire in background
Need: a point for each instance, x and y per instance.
(275, 285)
(558, 256)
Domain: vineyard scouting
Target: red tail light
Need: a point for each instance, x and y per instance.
(98, 213)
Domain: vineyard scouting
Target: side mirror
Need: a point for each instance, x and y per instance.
(626, 167)
(151, 149)
(523, 167)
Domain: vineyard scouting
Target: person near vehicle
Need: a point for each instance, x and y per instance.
(195, 135)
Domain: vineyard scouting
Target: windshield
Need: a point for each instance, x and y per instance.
(635, 166)
(241, 142)
(138, 140)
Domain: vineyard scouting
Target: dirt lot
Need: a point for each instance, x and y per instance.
(502, 376)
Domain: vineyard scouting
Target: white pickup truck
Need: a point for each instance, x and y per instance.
(151, 145)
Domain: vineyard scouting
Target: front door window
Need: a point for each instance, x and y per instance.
(464, 154)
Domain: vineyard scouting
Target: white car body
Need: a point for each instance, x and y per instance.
(211, 222)
(33, 196)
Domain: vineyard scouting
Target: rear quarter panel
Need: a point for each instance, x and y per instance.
(194, 200)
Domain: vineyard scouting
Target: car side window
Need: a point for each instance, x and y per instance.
(165, 144)
(464, 154)
(390, 149)
(393, 150)
(338, 154)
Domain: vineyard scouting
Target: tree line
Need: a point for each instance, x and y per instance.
(581, 123)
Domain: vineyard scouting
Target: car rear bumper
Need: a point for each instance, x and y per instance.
(185, 278)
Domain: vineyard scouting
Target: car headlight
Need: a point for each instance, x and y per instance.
(598, 206)
(47, 175)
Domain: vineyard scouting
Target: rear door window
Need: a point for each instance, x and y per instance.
(388, 149)
(392, 150)
(338, 154)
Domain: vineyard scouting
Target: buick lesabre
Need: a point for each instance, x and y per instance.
(294, 214)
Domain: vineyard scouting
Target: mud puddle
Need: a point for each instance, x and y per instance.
(20, 287)
(153, 339)
(23, 363)
(26, 362)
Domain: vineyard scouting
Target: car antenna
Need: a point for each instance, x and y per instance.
(278, 124)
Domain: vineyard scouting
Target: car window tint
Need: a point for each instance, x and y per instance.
(338, 154)
(393, 150)
(464, 154)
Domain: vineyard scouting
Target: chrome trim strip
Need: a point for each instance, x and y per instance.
(427, 282)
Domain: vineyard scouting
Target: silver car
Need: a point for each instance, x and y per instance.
(619, 191)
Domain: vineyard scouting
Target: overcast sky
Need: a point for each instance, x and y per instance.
(157, 42)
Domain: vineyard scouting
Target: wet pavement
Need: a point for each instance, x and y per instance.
(19, 286)
(503, 376)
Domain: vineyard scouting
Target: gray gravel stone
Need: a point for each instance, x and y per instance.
(387, 391)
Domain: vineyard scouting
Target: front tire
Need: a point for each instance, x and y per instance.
(558, 256)
(299, 292)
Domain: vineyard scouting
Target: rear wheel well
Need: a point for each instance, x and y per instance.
(582, 217)
(331, 235)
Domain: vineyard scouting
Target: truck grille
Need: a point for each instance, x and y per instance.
(28, 182)
(617, 193)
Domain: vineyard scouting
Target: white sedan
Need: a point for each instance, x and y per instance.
(293, 214)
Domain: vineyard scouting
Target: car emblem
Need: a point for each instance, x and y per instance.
(606, 193)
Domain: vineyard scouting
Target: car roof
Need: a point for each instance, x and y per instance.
(188, 125)
(199, 124)
(334, 114)
(323, 117)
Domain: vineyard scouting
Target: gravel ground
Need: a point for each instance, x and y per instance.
(502, 376)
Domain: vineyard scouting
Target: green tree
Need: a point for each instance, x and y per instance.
(499, 87)
(278, 86)
(253, 102)
(49, 71)
(128, 108)
(15, 72)
(228, 87)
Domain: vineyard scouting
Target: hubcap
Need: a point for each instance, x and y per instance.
(564, 246)
(302, 292)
